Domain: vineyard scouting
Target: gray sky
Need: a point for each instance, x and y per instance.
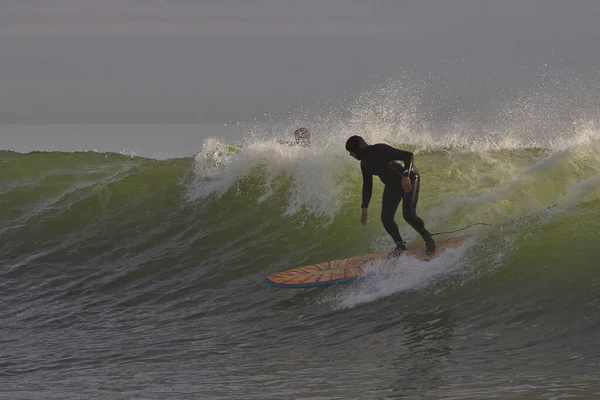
(151, 61)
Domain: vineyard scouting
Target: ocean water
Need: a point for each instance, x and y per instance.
(133, 258)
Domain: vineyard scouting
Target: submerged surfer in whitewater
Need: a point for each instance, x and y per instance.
(397, 171)
(301, 138)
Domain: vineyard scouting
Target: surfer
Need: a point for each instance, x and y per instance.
(301, 138)
(400, 177)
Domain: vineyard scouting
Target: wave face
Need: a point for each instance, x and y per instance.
(133, 277)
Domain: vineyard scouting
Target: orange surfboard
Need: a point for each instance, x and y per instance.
(348, 269)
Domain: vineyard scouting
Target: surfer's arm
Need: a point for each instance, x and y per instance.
(367, 188)
(407, 159)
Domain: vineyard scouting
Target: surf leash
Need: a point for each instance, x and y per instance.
(479, 223)
(461, 229)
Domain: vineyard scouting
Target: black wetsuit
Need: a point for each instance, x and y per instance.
(390, 164)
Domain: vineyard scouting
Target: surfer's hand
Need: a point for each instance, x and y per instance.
(364, 215)
(406, 184)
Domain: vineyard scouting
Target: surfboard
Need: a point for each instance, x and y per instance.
(349, 269)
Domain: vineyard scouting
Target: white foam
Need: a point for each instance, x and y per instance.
(385, 278)
(395, 112)
(317, 174)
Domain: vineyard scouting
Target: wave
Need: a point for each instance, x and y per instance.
(225, 217)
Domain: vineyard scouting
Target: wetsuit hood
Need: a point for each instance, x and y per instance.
(356, 145)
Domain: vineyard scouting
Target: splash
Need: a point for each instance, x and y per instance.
(551, 125)
(405, 274)
(316, 175)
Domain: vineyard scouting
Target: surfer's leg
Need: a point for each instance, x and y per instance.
(389, 205)
(409, 212)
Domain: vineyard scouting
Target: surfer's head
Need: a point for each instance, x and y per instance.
(302, 137)
(355, 145)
